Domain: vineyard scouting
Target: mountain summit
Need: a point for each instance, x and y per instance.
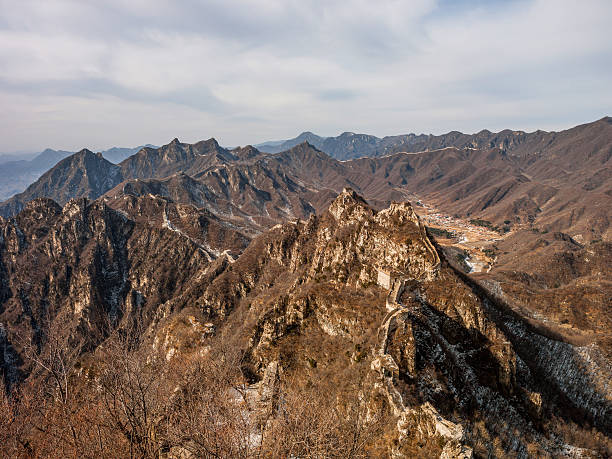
(83, 174)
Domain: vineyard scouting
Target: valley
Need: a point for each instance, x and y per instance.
(474, 240)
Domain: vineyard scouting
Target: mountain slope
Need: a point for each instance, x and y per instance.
(429, 363)
(441, 352)
(83, 174)
(77, 272)
(172, 158)
(17, 175)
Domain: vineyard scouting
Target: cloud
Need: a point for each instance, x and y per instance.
(336, 94)
(247, 71)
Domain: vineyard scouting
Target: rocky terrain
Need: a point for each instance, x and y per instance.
(293, 304)
(86, 267)
(437, 365)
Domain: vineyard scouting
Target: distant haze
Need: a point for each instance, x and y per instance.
(103, 73)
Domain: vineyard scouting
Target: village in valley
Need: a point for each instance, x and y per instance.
(475, 241)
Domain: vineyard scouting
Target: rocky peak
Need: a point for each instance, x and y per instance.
(349, 206)
(204, 147)
(83, 153)
(31, 224)
(246, 152)
(397, 214)
(309, 137)
(302, 148)
(38, 216)
(351, 241)
(41, 207)
(75, 207)
(173, 158)
(443, 348)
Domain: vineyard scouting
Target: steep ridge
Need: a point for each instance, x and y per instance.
(251, 190)
(173, 158)
(78, 272)
(551, 277)
(452, 367)
(83, 174)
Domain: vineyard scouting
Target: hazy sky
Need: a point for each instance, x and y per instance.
(96, 74)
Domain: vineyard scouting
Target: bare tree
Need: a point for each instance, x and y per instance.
(210, 415)
(315, 418)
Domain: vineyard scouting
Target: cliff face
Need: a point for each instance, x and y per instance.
(78, 272)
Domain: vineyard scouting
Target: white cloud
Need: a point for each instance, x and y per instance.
(246, 71)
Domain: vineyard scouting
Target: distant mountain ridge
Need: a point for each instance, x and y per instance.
(563, 179)
(118, 154)
(10, 157)
(280, 145)
(349, 145)
(83, 175)
(17, 174)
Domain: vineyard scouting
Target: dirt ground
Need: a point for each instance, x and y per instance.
(471, 238)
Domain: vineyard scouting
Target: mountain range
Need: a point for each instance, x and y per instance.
(556, 181)
(193, 300)
(17, 174)
(444, 367)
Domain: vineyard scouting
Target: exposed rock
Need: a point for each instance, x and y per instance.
(453, 369)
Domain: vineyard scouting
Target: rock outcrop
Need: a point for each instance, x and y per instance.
(80, 271)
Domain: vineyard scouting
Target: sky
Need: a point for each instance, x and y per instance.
(98, 74)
